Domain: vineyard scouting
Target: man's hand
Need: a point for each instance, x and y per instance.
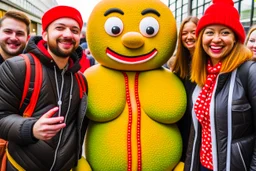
(47, 126)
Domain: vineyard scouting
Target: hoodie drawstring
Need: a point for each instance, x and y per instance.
(59, 93)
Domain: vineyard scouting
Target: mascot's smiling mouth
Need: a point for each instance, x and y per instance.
(131, 59)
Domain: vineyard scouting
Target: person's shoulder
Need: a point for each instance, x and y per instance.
(248, 64)
(13, 63)
(251, 65)
(246, 68)
(13, 70)
(15, 59)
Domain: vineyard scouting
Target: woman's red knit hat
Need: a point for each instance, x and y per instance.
(61, 12)
(222, 12)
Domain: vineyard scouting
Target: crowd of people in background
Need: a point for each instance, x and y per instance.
(213, 58)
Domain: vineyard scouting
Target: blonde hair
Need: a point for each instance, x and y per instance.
(238, 55)
(182, 62)
(170, 62)
(249, 33)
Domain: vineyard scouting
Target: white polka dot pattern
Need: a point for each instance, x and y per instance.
(201, 108)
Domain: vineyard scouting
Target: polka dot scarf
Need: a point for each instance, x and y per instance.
(202, 109)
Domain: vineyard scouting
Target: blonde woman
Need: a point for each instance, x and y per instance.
(250, 41)
(185, 47)
(180, 64)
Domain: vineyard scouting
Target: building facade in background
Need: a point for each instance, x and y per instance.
(183, 8)
(34, 9)
(180, 8)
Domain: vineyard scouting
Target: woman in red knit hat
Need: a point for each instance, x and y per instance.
(223, 103)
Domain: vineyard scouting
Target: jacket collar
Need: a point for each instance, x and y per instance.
(223, 77)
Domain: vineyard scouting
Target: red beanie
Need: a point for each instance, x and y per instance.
(61, 12)
(222, 12)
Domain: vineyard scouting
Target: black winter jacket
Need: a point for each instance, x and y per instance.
(62, 151)
(233, 124)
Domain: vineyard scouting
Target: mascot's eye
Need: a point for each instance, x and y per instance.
(114, 26)
(116, 30)
(149, 27)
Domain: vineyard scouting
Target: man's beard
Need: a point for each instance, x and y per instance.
(54, 48)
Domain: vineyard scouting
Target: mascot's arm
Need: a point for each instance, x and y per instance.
(82, 165)
(179, 167)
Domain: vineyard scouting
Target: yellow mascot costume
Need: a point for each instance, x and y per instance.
(133, 102)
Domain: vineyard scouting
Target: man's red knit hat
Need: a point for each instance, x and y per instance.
(222, 12)
(61, 12)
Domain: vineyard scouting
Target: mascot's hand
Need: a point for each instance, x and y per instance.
(82, 165)
(179, 167)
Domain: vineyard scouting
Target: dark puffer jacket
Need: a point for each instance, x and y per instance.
(62, 151)
(233, 124)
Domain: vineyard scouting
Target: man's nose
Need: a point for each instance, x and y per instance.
(67, 33)
(13, 35)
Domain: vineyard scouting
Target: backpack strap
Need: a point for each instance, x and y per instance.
(32, 84)
(243, 75)
(81, 83)
(29, 78)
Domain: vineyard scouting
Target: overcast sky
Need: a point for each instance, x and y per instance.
(84, 6)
